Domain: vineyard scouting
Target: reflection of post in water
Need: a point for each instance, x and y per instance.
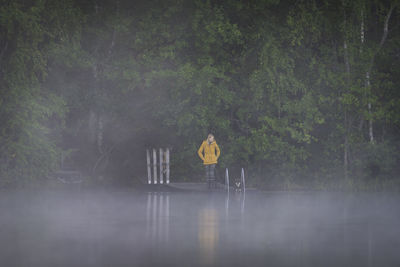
(242, 201)
(237, 201)
(157, 217)
(227, 205)
(239, 192)
(208, 234)
(369, 244)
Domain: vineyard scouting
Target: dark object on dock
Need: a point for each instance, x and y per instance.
(183, 187)
(198, 187)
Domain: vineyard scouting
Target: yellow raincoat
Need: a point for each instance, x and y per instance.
(211, 152)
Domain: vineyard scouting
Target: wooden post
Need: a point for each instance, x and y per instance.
(161, 166)
(148, 166)
(167, 165)
(155, 166)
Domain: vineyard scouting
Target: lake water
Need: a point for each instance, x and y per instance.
(122, 228)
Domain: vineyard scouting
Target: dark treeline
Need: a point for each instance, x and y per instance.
(303, 94)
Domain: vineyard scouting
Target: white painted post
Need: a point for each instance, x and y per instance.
(155, 166)
(161, 166)
(148, 167)
(243, 181)
(167, 165)
(227, 179)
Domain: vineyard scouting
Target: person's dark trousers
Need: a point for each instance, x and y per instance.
(210, 175)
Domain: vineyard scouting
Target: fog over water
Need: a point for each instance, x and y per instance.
(128, 228)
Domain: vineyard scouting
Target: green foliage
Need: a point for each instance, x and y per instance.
(31, 114)
(281, 84)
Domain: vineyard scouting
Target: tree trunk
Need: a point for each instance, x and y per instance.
(367, 74)
(92, 124)
(100, 130)
(346, 147)
(346, 123)
(346, 130)
(370, 126)
(367, 81)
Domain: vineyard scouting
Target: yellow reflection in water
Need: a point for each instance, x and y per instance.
(208, 234)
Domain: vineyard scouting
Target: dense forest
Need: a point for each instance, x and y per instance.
(302, 94)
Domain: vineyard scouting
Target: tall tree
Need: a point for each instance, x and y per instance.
(30, 113)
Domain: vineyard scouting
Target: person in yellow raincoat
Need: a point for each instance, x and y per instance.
(209, 152)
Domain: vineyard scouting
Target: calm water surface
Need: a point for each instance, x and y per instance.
(199, 229)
